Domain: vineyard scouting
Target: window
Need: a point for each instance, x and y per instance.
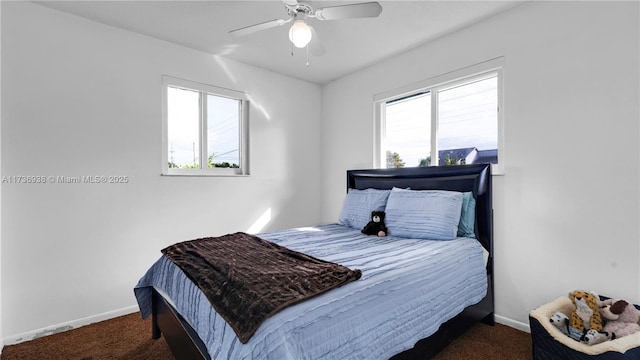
(205, 129)
(449, 120)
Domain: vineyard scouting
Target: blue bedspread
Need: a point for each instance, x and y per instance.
(408, 288)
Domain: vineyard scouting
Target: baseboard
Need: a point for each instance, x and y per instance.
(34, 334)
(513, 323)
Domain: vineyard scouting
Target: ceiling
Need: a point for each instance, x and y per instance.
(350, 44)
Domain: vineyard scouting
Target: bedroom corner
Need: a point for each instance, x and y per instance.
(549, 193)
(107, 121)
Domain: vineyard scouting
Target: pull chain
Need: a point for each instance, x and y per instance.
(307, 49)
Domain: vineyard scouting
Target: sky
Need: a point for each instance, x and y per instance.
(223, 133)
(467, 118)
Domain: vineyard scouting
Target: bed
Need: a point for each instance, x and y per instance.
(415, 296)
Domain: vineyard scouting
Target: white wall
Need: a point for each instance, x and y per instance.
(567, 210)
(81, 98)
(1, 337)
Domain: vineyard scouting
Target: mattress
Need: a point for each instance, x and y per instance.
(407, 289)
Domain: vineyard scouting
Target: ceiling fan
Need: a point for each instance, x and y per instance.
(301, 34)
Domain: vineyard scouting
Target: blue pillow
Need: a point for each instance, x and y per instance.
(466, 227)
(423, 214)
(358, 205)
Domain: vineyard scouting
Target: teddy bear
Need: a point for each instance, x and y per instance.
(376, 226)
(586, 315)
(622, 317)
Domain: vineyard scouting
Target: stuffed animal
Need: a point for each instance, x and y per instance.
(561, 321)
(593, 337)
(622, 317)
(586, 315)
(376, 226)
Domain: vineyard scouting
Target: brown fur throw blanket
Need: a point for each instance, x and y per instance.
(247, 279)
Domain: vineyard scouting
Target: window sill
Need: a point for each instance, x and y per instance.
(205, 174)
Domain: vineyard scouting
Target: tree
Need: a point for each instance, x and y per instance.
(425, 162)
(210, 164)
(224, 164)
(448, 161)
(393, 160)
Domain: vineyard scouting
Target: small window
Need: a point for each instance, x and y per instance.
(450, 120)
(205, 129)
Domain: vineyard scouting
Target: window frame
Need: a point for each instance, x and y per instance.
(433, 86)
(203, 90)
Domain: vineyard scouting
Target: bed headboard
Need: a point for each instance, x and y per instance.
(475, 178)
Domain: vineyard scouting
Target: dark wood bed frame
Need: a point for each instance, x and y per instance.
(185, 343)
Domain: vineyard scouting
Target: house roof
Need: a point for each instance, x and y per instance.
(471, 155)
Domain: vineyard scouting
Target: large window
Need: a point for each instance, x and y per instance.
(449, 120)
(205, 129)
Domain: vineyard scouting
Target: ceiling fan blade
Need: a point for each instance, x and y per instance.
(292, 3)
(315, 46)
(363, 10)
(258, 27)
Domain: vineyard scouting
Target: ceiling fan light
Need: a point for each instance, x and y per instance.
(300, 34)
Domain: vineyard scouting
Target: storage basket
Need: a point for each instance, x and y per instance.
(549, 343)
